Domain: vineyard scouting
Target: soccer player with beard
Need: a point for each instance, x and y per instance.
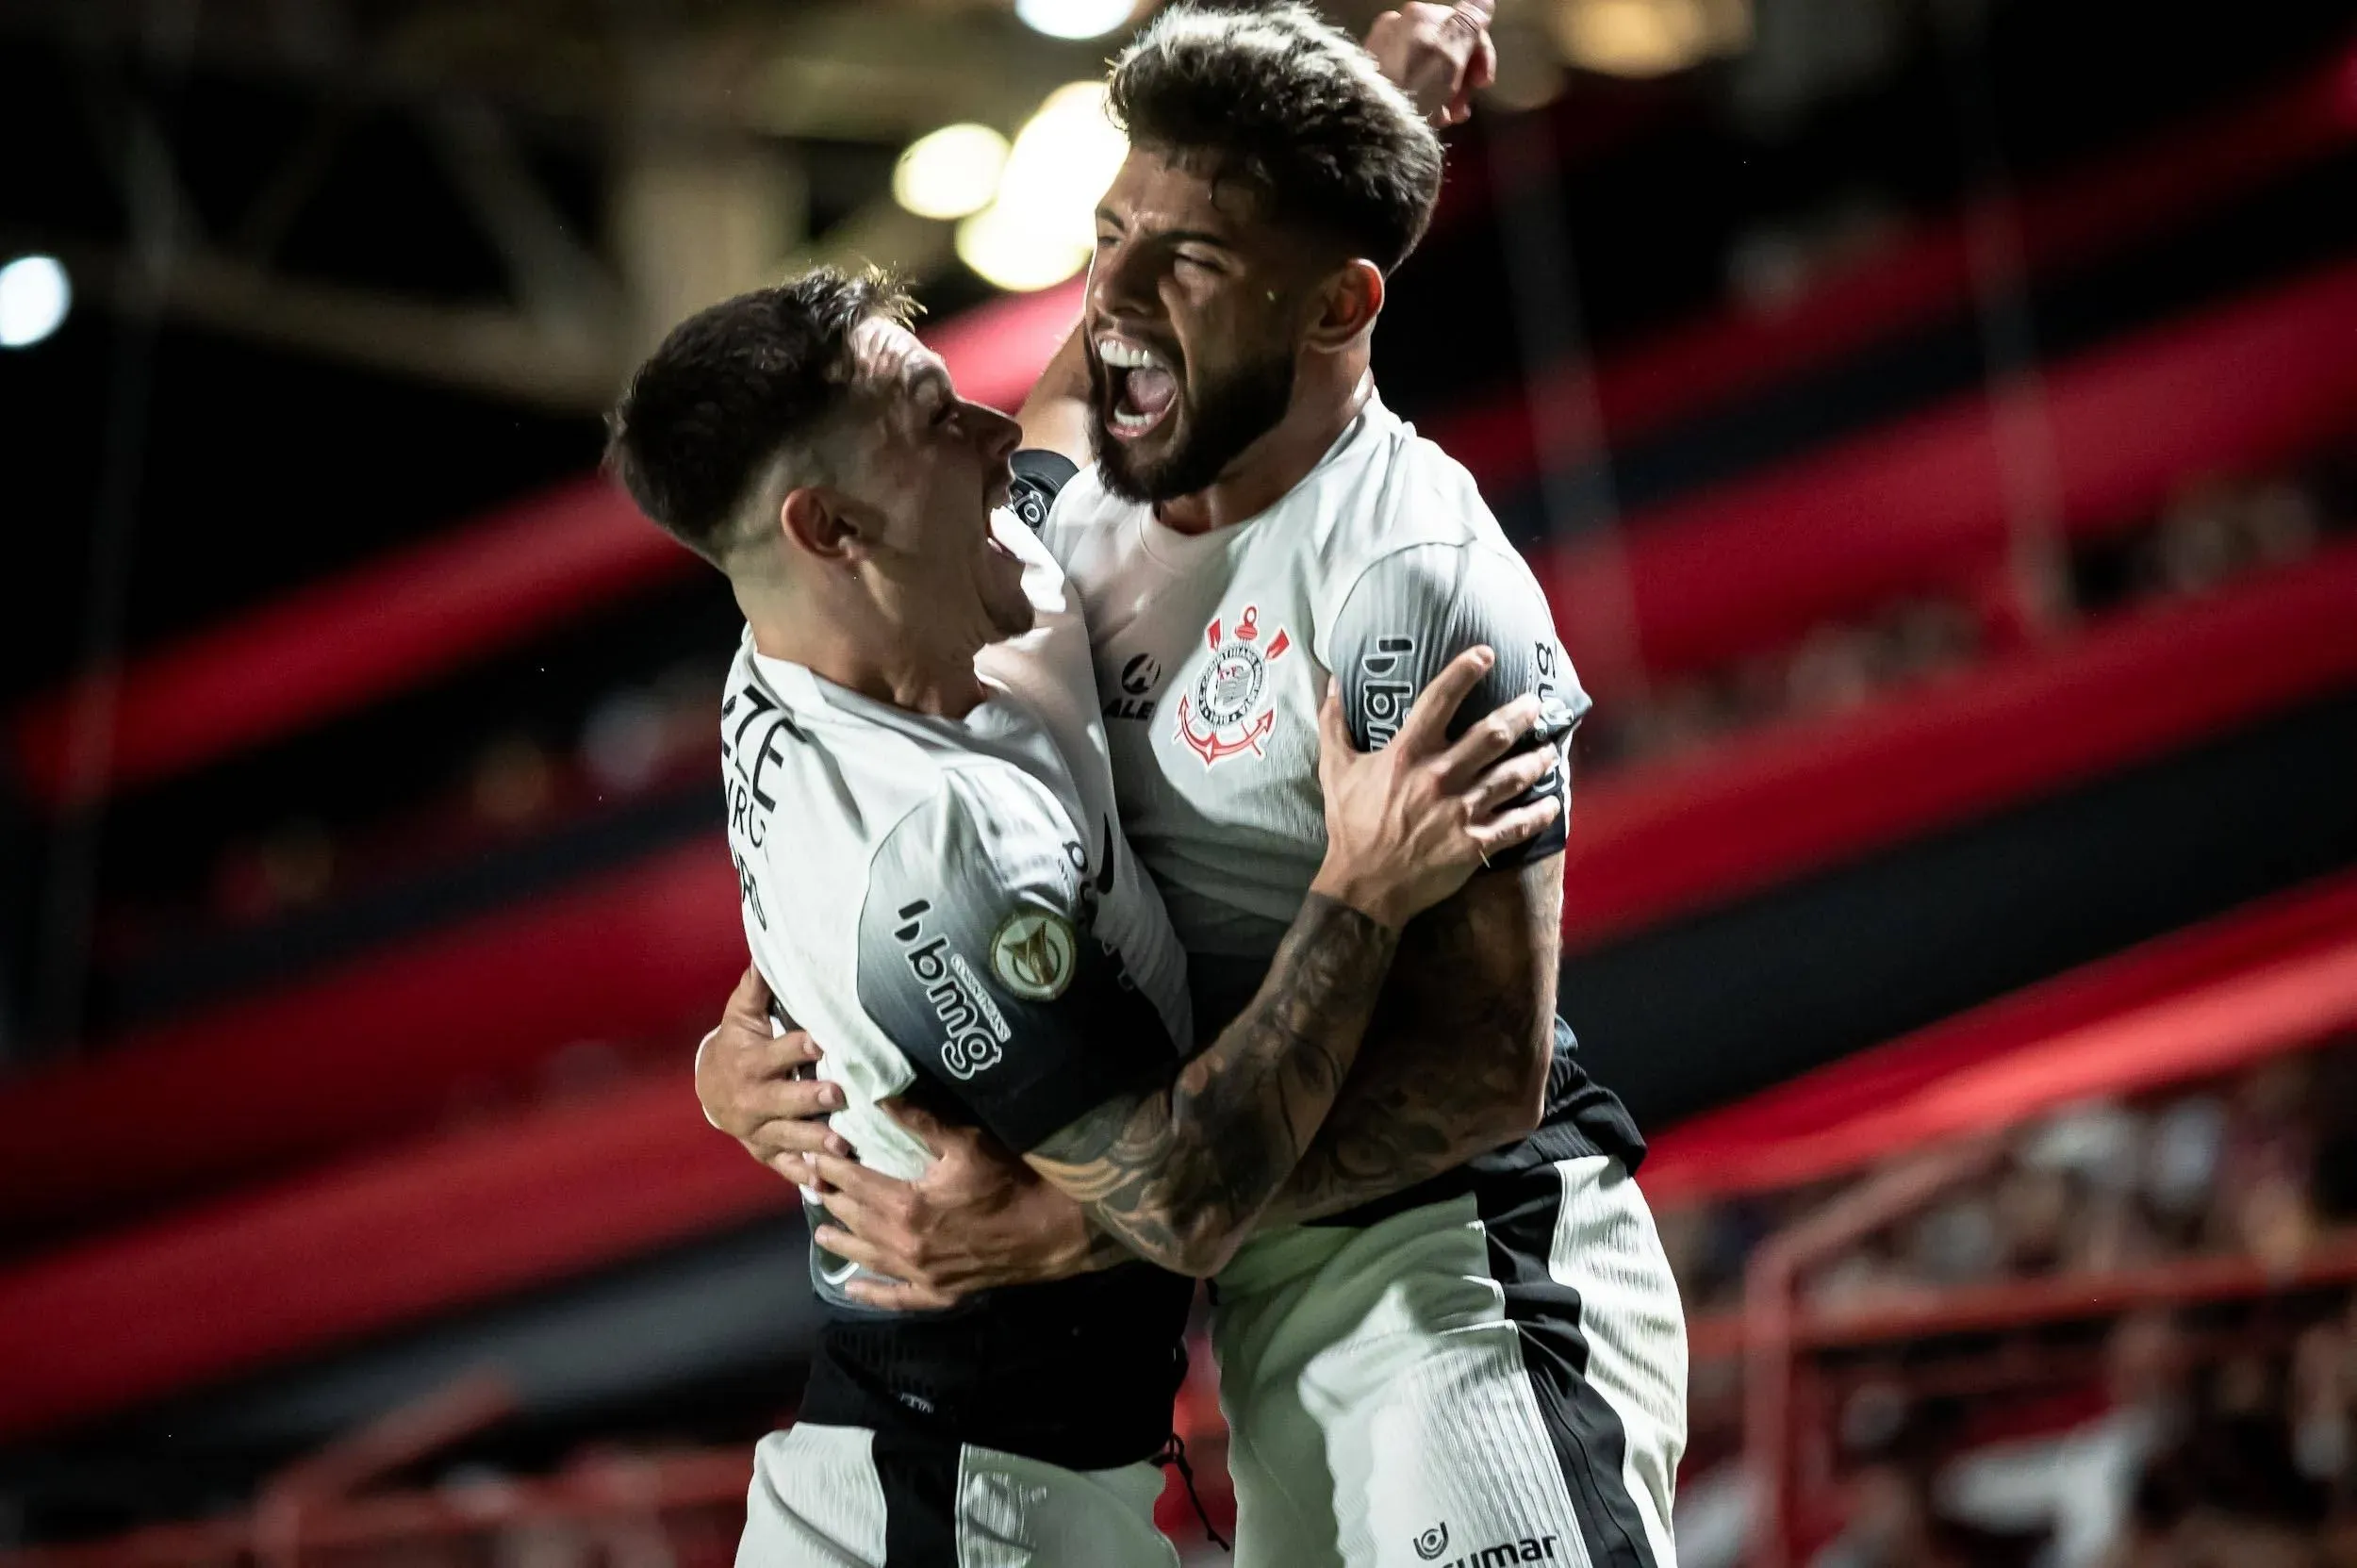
(921, 815)
(1454, 1337)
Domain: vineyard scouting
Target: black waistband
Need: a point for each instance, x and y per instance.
(1079, 1373)
(1582, 1118)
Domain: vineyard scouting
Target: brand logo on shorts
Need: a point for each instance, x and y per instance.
(1224, 716)
(975, 1034)
(1530, 1549)
(1033, 954)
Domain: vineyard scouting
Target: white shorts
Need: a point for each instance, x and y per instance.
(847, 1497)
(1497, 1378)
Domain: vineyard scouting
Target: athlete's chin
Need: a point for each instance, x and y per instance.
(1137, 471)
(1005, 605)
(1010, 620)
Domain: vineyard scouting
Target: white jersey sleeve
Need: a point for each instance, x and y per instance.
(978, 952)
(1413, 610)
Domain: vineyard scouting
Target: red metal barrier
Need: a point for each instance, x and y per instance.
(372, 1048)
(365, 1247)
(1921, 506)
(2067, 220)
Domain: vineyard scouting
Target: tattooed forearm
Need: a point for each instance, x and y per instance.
(1180, 1174)
(1455, 1061)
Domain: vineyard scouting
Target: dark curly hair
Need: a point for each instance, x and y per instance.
(1282, 99)
(730, 388)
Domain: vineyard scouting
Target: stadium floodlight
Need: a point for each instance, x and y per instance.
(1649, 38)
(1063, 159)
(952, 172)
(1011, 253)
(35, 295)
(1042, 227)
(1074, 18)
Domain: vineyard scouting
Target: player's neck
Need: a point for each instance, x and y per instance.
(1329, 396)
(860, 654)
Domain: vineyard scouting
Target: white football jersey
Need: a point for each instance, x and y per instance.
(1213, 651)
(947, 905)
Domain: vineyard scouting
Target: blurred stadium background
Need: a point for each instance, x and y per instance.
(1935, 422)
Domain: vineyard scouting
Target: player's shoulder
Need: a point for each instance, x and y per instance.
(846, 777)
(1081, 513)
(1397, 490)
(1419, 531)
(982, 822)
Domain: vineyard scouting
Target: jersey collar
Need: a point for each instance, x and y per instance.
(1177, 550)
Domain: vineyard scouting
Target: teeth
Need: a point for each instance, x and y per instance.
(1124, 356)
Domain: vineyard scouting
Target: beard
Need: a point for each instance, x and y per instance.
(1234, 410)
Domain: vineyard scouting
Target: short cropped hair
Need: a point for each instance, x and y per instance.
(730, 389)
(1282, 99)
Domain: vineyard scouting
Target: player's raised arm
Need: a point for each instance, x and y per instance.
(1065, 1062)
(1459, 1060)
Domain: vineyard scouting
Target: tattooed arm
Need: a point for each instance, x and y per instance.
(1178, 1167)
(1180, 1174)
(1456, 1059)
(1475, 977)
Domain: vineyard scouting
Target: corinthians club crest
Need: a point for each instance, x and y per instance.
(1223, 714)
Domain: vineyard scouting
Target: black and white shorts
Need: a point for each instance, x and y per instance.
(1496, 1377)
(829, 1496)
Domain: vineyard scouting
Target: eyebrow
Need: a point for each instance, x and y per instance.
(1171, 236)
(917, 375)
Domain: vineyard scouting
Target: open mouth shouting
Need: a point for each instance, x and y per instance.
(1143, 388)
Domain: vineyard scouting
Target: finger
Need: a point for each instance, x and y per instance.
(1488, 739)
(1518, 826)
(799, 1135)
(1334, 737)
(769, 1139)
(899, 1297)
(1508, 780)
(795, 1168)
(791, 1098)
(1464, 28)
(846, 1245)
(1426, 724)
(752, 993)
(903, 1281)
(794, 1048)
(851, 1177)
(1483, 71)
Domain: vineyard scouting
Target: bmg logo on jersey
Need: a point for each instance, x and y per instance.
(1387, 688)
(975, 1033)
(1223, 715)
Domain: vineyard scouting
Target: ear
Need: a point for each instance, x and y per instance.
(1348, 304)
(815, 521)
